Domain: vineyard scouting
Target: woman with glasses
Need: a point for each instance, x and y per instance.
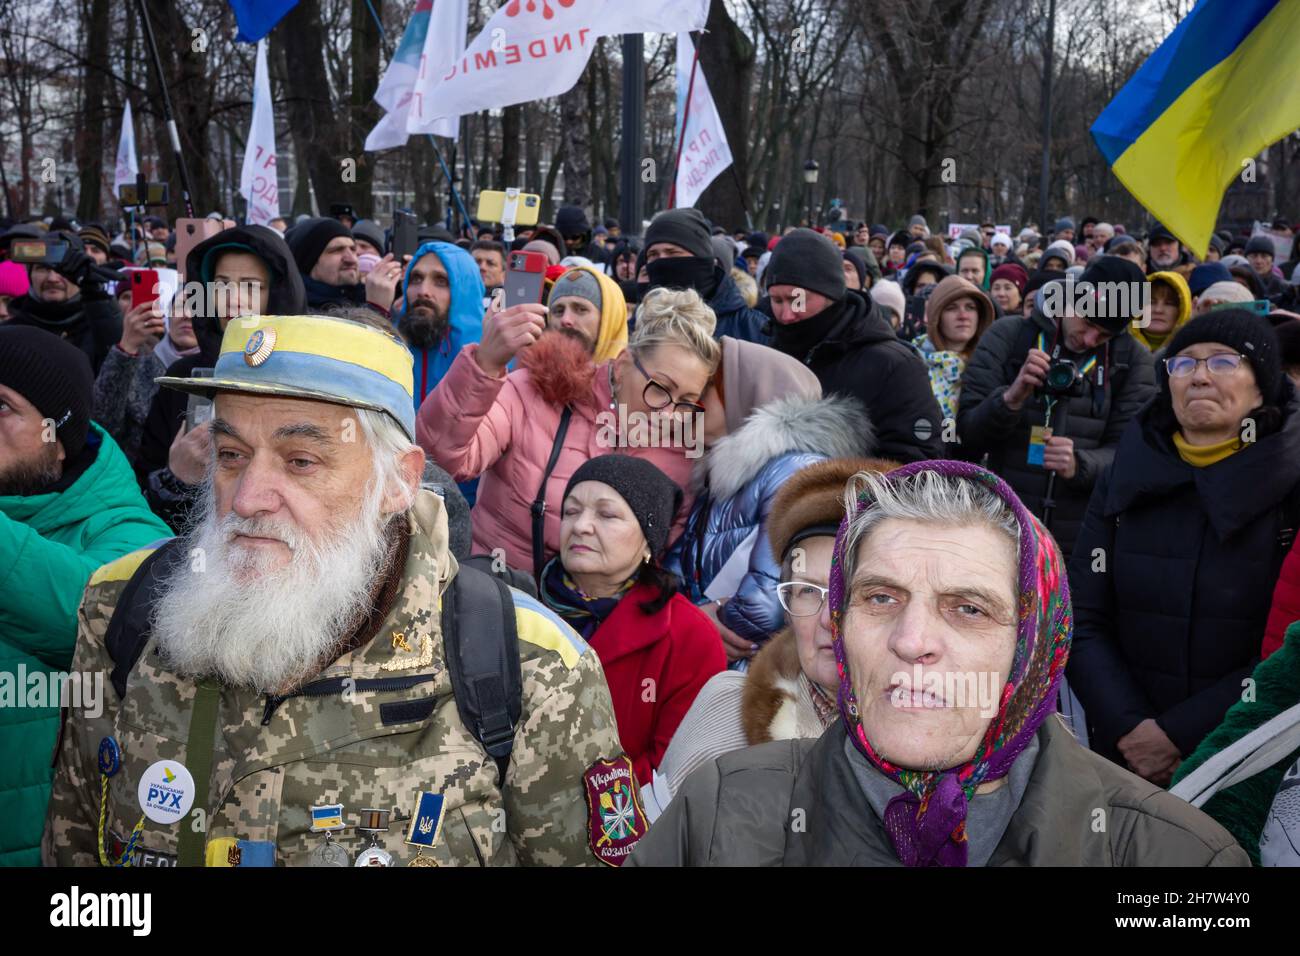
(1185, 533)
(789, 689)
(766, 419)
(525, 432)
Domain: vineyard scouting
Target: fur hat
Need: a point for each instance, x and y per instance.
(812, 501)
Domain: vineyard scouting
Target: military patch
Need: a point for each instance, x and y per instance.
(615, 818)
(140, 855)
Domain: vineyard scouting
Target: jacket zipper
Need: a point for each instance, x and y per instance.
(336, 685)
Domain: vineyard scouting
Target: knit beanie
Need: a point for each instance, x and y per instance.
(309, 239)
(571, 221)
(54, 376)
(918, 220)
(1242, 331)
(368, 231)
(651, 495)
(683, 227)
(1065, 222)
(889, 295)
(1061, 249)
(809, 261)
(1260, 244)
(1206, 274)
(13, 279)
(93, 234)
(580, 284)
(1013, 272)
(1107, 270)
(859, 265)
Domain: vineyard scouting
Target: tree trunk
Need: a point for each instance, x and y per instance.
(508, 167)
(312, 115)
(365, 112)
(577, 144)
(727, 59)
(90, 141)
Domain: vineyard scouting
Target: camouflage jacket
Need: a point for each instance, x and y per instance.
(270, 766)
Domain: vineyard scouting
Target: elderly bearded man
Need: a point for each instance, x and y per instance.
(950, 618)
(284, 668)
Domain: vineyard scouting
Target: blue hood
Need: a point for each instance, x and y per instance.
(467, 294)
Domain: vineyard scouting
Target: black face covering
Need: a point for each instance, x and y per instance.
(684, 272)
(799, 338)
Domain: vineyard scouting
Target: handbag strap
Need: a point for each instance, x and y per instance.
(539, 503)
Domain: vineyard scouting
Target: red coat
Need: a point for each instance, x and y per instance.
(655, 664)
(1286, 603)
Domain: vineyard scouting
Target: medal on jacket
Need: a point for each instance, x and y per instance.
(426, 827)
(374, 822)
(327, 819)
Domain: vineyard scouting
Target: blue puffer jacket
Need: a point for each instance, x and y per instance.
(735, 318)
(738, 478)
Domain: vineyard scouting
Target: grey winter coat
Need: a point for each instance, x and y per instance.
(735, 485)
(1078, 809)
(124, 390)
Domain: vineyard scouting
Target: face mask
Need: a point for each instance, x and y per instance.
(683, 272)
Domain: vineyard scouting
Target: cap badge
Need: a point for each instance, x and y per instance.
(260, 346)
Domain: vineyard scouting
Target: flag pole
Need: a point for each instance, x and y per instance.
(186, 191)
(686, 115)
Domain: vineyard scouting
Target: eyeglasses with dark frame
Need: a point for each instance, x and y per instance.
(1220, 363)
(658, 396)
(801, 599)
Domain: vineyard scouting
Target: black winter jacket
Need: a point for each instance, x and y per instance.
(1172, 625)
(93, 323)
(861, 356)
(1094, 421)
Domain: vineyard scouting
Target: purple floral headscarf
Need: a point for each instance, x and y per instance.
(927, 822)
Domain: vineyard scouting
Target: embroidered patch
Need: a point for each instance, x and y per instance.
(140, 856)
(615, 818)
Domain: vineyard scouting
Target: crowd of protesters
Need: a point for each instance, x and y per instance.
(757, 476)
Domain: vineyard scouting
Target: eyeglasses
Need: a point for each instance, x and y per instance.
(1220, 363)
(658, 396)
(802, 599)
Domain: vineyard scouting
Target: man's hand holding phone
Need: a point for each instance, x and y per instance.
(506, 332)
(381, 281)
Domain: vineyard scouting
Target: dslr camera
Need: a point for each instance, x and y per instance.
(1063, 380)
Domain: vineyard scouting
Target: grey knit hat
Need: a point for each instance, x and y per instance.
(578, 283)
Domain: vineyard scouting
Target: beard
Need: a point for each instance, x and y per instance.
(24, 478)
(240, 619)
(424, 324)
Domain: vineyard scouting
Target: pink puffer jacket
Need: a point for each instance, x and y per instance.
(502, 430)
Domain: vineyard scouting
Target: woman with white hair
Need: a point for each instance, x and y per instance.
(951, 624)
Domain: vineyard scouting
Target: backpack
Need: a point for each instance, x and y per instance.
(478, 632)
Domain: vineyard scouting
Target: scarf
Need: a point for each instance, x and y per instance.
(823, 706)
(797, 339)
(167, 353)
(563, 596)
(927, 821)
(1201, 456)
(320, 294)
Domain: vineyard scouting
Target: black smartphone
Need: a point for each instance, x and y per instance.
(406, 234)
(156, 194)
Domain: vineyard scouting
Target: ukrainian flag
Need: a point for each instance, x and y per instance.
(1221, 88)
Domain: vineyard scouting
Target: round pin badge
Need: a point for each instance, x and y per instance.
(110, 757)
(259, 347)
(166, 792)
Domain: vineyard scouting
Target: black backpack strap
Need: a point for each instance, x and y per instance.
(539, 503)
(129, 627)
(482, 648)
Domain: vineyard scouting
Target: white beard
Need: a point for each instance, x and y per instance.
(225, 613)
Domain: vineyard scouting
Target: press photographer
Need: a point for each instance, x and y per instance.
(1048, 395)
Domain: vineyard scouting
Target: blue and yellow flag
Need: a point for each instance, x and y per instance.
(1220, 89)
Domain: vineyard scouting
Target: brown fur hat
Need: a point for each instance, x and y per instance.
(813, 496)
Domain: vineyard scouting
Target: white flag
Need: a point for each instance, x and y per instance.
(258, 181)
(532, 50)
(125, 170)
(703, 143)
(433, 35)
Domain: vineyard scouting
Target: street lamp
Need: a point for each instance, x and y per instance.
(810, 169)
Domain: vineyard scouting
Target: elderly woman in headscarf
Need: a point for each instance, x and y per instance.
(951, 623)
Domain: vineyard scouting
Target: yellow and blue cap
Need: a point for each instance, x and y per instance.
(317, 357)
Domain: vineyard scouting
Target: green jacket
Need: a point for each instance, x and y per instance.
(1243, 807)
(797, 803)
(359, 745)
(49, 547)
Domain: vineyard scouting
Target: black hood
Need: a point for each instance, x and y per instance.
(287, 296)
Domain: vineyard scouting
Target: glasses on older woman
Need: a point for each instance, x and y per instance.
(800, 598)
(658, 396)
(1220, 363)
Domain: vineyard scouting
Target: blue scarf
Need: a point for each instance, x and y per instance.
(563, 596)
